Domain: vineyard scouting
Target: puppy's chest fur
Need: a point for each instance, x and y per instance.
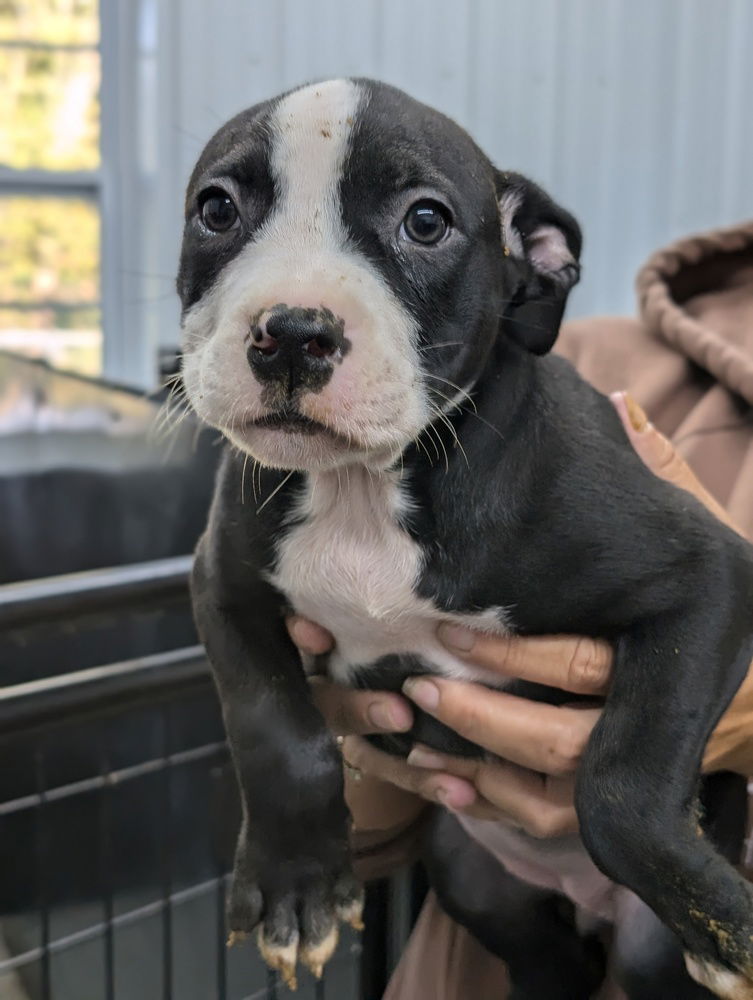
(347, 563)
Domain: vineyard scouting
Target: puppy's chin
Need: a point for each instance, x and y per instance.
(308, 451)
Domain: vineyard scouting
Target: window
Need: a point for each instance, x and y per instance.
(50, 181)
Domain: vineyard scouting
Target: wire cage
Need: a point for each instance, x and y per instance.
(118, 815)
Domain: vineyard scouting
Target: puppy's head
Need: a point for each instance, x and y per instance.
(349, 258)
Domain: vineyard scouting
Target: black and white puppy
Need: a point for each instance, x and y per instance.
(367, 307)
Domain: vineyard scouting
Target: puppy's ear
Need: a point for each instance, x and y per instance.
(543, 242)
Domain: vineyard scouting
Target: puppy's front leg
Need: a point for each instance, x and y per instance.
(637, 786)
(292, 874)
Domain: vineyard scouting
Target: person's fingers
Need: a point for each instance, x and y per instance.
(498, 790)
(541, 805)
(577, 664)
(445, 789)
(659, 454)
(346, 711)
(542, 737)
(308, 636)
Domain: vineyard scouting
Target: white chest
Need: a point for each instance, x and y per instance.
(350, 567)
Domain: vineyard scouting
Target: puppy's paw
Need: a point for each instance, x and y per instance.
(295, 925)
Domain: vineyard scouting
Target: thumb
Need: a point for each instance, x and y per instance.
(659, 454)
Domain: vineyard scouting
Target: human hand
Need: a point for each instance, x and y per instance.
(530, 780)
(512, 728)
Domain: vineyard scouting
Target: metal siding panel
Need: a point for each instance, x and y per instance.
(635, 114)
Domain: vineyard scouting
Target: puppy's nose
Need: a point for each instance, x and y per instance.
(295, 344)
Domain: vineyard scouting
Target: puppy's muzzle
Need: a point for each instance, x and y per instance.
(296, 347)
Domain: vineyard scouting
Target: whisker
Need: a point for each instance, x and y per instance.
(453, 385)
(436, 347)
(439, 439)
(434, 444)
(275, 491)
(419, 444)
(473, 413)
(490, 426)
(196, 436)
(243, 480)
(528, 325)
(446, 420)
(256, 466)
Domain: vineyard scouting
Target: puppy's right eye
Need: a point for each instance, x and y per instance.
(426, 222)
(218, 211)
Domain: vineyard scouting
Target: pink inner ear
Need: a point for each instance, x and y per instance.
(548, 249)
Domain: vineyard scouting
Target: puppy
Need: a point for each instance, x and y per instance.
(367, 310)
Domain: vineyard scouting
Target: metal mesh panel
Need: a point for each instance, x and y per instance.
(119, 812)
(116, 826)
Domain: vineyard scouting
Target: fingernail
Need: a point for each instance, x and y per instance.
(443, 797)
(380, 716)
(424, 693)
(456, 637)
(638, 418)
(419, 757)
(635, 414)
(459, 797)
(297, 631)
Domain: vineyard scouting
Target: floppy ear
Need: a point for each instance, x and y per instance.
(544, 242)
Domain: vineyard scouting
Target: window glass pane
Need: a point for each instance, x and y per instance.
(49, 280)
(68, 339)
(49, 250)
(58, 22)
(49, 108)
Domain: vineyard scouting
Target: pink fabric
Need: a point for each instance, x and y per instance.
(560, 864)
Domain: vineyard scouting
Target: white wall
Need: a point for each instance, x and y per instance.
(636, 114)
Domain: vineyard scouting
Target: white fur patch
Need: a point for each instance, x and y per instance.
(509, 204)
(352, 569)
(301, 257)
(317, 955)
(723, 982)
(281, 958)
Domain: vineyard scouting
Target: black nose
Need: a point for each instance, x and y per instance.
(295, 345)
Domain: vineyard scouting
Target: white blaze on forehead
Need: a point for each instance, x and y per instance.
(311, 129)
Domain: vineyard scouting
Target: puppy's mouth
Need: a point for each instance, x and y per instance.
(290, 422)
(287, 438)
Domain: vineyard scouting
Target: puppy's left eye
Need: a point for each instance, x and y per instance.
(217, 210)
(426, 222)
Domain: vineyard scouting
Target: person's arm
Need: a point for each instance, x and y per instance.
(539, 746)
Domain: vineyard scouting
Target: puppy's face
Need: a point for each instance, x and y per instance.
(347, 259)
